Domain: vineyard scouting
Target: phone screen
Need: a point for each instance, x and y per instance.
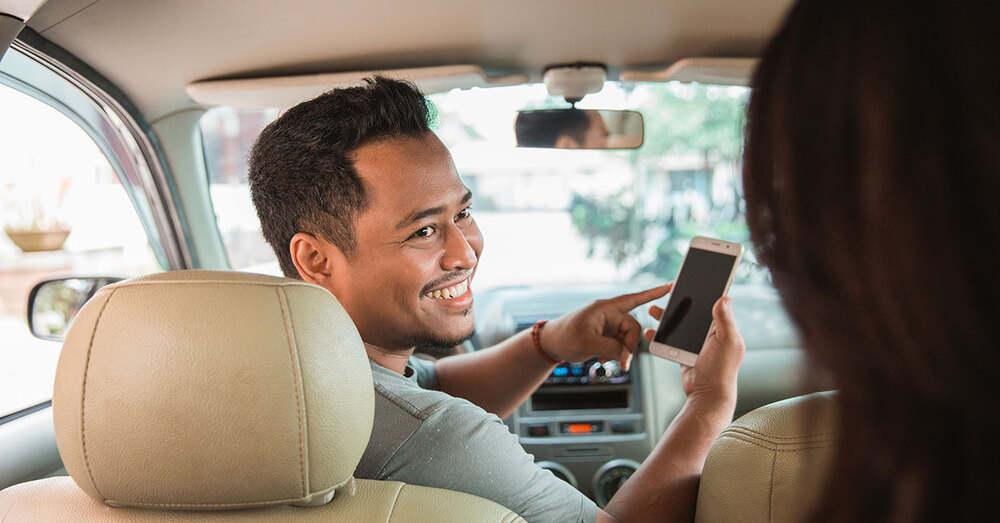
(699, 285)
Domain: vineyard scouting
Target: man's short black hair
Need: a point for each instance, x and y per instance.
(542, 128)
(302, 176)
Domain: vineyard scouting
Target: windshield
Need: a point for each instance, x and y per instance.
(552, 217)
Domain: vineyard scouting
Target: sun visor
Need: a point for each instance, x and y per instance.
(718, 71)
(13, 15)
(10, 27)
(286, 91)
(20, 9)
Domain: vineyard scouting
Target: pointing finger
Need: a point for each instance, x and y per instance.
(627, 302)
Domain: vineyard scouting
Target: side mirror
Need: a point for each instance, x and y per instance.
(579, 129)
(52, 304)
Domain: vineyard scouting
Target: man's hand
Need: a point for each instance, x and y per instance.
(714, 375)
(603, 329)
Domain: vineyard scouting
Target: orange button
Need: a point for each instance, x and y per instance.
(579, 428)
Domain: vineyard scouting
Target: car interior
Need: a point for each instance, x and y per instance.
(124, 133)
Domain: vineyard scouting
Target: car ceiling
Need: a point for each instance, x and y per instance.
(153, 49)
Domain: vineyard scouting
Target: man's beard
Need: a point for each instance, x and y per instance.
(434, 344)
(440, 347)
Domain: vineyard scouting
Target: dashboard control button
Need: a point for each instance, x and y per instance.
(610, 477)
(540, 429)
(605, 372)
(622, 427)
(582, 427)
(597, 372)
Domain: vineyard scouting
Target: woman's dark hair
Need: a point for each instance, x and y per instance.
(872, 182)
(302, 176)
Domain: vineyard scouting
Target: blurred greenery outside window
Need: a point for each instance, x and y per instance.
(551, 216)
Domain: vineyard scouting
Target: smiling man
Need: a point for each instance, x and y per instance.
(356, 194)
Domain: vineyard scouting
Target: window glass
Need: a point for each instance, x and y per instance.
(227, 136)
(63, 212)
(598, 216)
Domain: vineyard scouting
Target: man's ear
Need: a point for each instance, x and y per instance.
(314, 258)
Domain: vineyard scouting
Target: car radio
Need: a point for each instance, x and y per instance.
(591, 372)
(585, 423)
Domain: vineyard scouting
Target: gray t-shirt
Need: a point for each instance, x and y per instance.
(425, 437)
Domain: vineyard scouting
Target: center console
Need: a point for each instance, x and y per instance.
(586, 424)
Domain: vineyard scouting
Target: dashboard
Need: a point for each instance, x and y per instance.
(591, 423)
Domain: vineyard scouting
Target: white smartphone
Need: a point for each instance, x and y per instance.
(705, 276)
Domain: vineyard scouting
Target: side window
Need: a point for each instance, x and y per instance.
(63, 211)
(227, 135)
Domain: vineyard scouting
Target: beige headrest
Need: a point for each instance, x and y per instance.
(212, 390)
(769, 465)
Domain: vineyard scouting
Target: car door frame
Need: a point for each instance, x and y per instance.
(43, 70)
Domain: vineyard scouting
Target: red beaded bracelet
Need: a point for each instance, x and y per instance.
(536, 340)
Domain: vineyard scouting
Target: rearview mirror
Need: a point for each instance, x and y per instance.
(53, 304)
(579, 129)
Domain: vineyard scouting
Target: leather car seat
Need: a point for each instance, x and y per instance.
(203, 396)
(769, 465)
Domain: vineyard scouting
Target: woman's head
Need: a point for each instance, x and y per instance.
(872, 179)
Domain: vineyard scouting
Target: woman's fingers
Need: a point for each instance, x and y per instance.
(655, 312)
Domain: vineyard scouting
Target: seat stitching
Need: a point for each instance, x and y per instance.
(214, 282)
(740, 427)
(802, 441)
(774, 449)
(293, 353)
(395, 500)
(247, 504)
(83, 395)
(123, 504)
(770, 491)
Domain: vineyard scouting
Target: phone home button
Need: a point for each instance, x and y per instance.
(673, 352)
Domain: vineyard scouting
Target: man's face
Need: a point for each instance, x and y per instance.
(417, 248)
(597, 134)
(595, 137)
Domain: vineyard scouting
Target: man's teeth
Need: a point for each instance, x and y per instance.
(450, 292)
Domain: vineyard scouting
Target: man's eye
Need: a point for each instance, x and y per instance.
(466, 212)
(424, 233)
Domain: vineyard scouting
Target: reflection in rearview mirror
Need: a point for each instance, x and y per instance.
(579, 129)
(53, 304)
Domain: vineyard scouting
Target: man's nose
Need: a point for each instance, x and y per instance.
(458, 251)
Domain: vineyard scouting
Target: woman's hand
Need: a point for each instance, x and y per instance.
(714, 374)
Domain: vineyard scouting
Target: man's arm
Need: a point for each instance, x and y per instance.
(604, 329)
(499, 378)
